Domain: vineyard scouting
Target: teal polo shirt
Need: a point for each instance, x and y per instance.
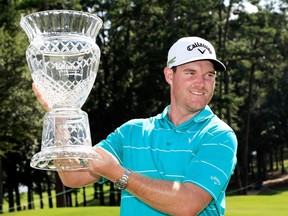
(201, 151)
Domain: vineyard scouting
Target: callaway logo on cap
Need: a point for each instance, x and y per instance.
(189, 49)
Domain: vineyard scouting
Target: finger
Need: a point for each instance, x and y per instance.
(101, 152)
(35, 90)
(40, 98)
(37, 93)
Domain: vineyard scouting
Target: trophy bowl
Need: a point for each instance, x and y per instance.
(63, 59)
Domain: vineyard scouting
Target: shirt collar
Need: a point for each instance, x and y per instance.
(204, 114)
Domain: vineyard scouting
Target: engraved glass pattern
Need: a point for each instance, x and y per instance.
(63, 59)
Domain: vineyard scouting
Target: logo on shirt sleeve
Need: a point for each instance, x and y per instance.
(215, 180)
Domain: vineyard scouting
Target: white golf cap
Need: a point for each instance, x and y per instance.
(188, 49)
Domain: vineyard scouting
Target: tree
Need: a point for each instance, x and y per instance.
(15, 99)
(136, 35)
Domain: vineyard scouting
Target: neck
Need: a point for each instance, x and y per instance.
(178, 116)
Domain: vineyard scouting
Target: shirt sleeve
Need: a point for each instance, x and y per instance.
(114, 144)
(214, 162)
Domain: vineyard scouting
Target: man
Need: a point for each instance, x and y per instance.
(180, 161)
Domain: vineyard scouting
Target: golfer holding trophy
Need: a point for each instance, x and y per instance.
(178, 162)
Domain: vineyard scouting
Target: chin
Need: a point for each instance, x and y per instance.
(196, 109)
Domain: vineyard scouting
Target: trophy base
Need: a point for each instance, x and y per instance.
(64, 158)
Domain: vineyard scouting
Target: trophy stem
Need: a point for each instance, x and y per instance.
(66, 141)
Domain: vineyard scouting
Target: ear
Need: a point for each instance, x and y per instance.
(168, 73)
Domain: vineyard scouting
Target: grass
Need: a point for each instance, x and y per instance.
(272, 201)
(269, 203)
(84, 211)
(89, 190)
(258, 205)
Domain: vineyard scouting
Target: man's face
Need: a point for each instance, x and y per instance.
(192, 85)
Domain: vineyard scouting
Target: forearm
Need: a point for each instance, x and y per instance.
(77, 179)
(170, 197)
(161, 195)
(166, 196)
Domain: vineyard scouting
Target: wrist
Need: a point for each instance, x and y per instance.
(121, 183)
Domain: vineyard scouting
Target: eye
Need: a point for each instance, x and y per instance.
(210, 74)
(190, 73)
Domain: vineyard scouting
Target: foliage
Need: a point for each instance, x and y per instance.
(251, 95)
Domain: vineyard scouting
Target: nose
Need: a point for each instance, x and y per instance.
(199, 80)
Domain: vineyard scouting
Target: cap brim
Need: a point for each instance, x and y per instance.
(219, 66)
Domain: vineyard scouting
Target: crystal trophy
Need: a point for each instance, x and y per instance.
(63, 59)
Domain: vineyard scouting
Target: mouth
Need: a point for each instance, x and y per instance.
(197, 93)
